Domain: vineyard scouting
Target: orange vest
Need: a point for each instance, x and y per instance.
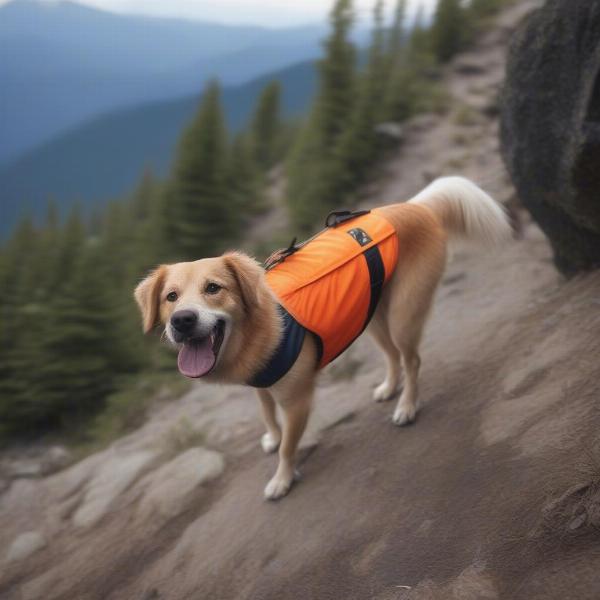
(332, 283)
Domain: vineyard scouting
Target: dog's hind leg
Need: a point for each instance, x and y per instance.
(271, 439)
(410, 300)
(406, 409)
(379, 330)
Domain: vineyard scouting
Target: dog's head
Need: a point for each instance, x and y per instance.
(206, 307)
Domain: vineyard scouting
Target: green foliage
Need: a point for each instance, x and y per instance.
(265, 126)
(450, 29)
(315, 176)
(202, 220)
(245, 180)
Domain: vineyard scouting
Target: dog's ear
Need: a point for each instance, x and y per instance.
(147, 295)
(247, 274)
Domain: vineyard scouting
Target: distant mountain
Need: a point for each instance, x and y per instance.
(105, 157)
(61, 63)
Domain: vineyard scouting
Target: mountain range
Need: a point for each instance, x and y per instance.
(62, 63)
(104, 157)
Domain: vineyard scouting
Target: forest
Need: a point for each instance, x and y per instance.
(73, 360)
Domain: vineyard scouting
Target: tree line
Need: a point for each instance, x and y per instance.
(69, 332)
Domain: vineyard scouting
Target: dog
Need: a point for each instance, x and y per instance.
(228, 323)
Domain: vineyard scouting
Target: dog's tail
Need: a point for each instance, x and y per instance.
(465, 210)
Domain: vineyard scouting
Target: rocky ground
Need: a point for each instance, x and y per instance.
(494, 493)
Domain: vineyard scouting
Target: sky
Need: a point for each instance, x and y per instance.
(272, 13)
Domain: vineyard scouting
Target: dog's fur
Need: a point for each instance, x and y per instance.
(450, 206)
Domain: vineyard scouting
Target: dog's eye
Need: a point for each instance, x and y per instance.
(172, 296)
(212, 288)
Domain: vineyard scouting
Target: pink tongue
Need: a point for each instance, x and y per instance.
(196, 358)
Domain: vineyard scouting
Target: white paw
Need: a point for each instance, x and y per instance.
(384, 391)
(278, 487)
(269, 443)
(404, 415)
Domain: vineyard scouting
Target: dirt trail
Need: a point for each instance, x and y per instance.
(494, 493)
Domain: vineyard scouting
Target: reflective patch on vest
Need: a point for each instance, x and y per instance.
(360, 235)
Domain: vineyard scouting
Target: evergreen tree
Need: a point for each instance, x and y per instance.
(81, 348)
(397, 33)
(449, 29)
(244, 179)
(314, 173)
(357, 147)
(202, 220)
(69, 246)
(410, 84)
(265, 126)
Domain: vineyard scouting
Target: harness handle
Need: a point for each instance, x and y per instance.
(280, 255)
(334, 218)
(337, 217)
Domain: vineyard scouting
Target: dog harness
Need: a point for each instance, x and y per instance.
(329, 286)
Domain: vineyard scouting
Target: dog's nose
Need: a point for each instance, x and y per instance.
(184, 321)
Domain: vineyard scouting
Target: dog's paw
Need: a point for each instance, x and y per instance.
(404, 415)
(278, 487)
(269, 443)
(384, 391)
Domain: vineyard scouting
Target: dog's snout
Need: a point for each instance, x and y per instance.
(184, 321)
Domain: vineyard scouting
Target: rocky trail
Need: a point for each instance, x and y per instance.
(494, 493)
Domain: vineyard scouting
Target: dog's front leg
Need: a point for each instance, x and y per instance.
(295, 416)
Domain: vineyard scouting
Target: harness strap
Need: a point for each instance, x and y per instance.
(377, 279)
(284, 356)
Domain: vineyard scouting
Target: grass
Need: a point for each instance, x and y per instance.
(465, 116)
(181, 437)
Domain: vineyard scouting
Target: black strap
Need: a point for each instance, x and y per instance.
(377, 279)
(336, 217)
(284, 356)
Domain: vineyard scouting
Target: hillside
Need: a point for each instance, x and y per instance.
(105, 157)
(63, 63)
(493, 494)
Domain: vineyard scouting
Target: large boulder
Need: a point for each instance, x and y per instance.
(550, 126)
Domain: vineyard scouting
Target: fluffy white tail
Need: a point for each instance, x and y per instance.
(465, 210)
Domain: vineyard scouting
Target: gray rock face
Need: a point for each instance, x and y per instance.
(111, 480)
(550, 127)
(25, 545)
(170, 488)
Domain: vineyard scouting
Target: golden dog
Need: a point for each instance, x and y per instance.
(224, 317)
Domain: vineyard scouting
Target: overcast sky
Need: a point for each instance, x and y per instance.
(262, 12)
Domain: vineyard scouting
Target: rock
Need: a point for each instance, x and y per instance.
(171, 487)
(38, 463)
(550, 126)
(55, 459)
(25, 545)
(390, 130)
(109, 482)
(23, 468)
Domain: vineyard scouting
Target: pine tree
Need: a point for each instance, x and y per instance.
(265, 126)
(410, 87)
(357, 147)
(244, 178)
(203, 222)
(449, 29)
(397, 34)
(314, 173)
(69, 246)
(81, 350)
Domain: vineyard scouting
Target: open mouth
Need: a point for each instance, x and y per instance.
(198, 356)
